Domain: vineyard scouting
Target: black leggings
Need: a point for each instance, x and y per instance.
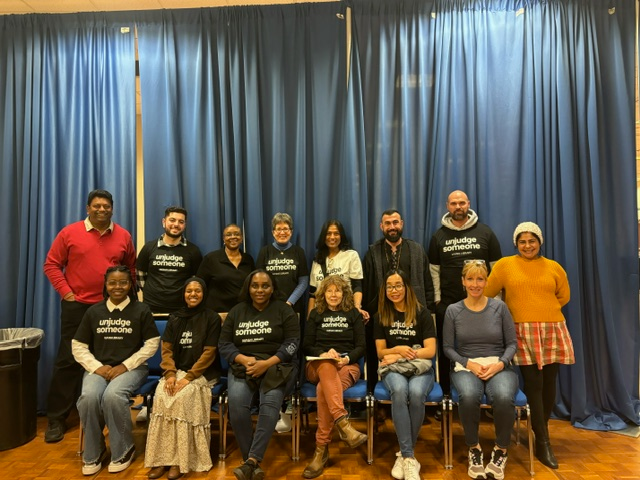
(540, 389)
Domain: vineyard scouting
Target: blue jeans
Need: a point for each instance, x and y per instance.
(500, 389)
(407, 406)
(103, 402)
(241, 395)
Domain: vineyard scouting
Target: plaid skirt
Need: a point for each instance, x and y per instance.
(542, 343)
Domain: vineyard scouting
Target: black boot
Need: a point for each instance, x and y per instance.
(544, 453)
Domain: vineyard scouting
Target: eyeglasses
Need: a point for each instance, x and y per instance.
(118, 283)
(398, 287)
(479, 263)
(282, 230)
(232, 234)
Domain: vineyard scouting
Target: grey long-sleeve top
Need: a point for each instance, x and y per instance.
(489, 332)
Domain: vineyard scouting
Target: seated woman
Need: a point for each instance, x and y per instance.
(480, 339)
(259, 339)
(405, 342)
(182, 403)
(112, 343)
(334, 331)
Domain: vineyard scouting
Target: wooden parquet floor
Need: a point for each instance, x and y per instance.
(582, 454)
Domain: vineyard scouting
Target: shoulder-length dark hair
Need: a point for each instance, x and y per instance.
(347, 294)
(244, 296)
(120, 268)
(322, 251)
(386, 307)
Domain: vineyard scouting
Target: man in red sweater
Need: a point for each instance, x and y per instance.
(75, 266)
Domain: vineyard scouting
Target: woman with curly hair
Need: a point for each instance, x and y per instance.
(335, 336)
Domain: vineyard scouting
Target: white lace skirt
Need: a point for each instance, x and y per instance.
(179, 429)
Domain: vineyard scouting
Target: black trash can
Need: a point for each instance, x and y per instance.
(19, 355)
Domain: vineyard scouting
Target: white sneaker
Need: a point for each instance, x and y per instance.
(476, 468)
(93, 468)
(411, 469)
(284, 424)
(397, 471)
(495, 468)
(115, 467)
(142, 415)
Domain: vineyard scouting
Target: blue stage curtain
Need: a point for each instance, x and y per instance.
(528, 107)
(244, 115)
(67, 103)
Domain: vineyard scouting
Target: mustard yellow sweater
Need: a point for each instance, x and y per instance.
(535, 290)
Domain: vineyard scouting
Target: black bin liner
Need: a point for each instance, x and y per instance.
(19, 355)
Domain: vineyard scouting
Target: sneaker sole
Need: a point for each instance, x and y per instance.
(96, 468)
(92, 470)
(478, 476)
(120, 467)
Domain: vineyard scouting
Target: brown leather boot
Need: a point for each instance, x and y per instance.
(318, 462)
(348, 434)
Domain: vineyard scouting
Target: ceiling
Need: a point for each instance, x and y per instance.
(70, 6)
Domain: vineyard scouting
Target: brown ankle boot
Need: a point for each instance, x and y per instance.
(318, 462)
(348, 434)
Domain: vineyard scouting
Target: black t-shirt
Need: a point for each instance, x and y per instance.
(115, 336)
(167, 269)
(272, 331)
(450, 248)
(286, 266)
(224, 281)
(180, 332)
(342, 331)
(399, 334)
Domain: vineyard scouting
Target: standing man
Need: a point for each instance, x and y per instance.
(460, 238)
(393, 252)
(164, 264)
(76, 265)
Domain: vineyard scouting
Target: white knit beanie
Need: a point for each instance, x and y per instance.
(527, 227)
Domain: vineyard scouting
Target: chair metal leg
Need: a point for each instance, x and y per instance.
(295, 428)
(530, 435)
(370, 419)
(449, 466)
(222, 425)
(444, 431)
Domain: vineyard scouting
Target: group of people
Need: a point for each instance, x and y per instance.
(253, 315)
